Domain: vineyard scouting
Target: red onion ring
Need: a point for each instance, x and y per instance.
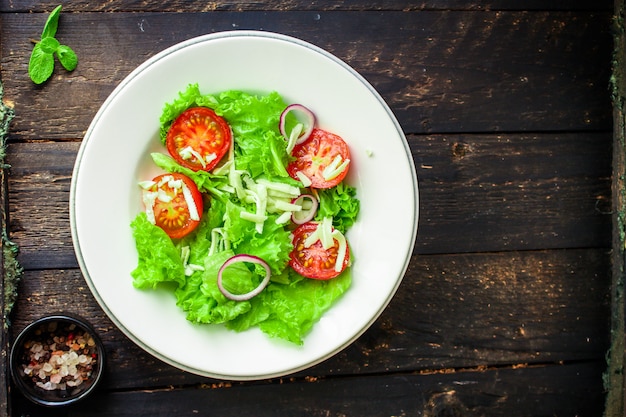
(244, 258)
(311, 212)
(309, 125)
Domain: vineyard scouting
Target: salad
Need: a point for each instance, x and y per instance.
(247, 222)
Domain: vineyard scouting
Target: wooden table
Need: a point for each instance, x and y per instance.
(505, 308)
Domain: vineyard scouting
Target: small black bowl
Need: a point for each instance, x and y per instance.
(43, 366)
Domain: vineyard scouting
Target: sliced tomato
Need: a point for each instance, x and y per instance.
(171, 196)
(315, 261)
(313, 156)
(198, 139)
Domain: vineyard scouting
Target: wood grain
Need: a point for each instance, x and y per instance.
(30, 6)
(547, 390)
(541, 191)
(446, 72)
(615, 375)
(505, 306)
(455, 311)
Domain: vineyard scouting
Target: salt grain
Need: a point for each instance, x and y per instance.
(58, 358)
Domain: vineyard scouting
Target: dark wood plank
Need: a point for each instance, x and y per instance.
(541, 191)
(42, 228)
(446, 71)
(322, 5)
(453, 311)
(564, 390)
(615, 375)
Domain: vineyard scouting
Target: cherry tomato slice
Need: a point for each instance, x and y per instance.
(315, 261)
(198, 139)
(170, 207)
(317, 153)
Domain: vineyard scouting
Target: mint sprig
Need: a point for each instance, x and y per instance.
(41, 63)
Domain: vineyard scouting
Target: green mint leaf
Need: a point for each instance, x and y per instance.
(41, 65)
(50, 28)
(67, 57)
(49, 45)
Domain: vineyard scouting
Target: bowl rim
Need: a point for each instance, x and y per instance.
(27, 390)
(148, 340)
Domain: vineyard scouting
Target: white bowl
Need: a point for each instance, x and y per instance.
(114, 157)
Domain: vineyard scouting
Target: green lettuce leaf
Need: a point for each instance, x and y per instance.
(201, 298)
(341, 204)
(159, 259)
(273, 245)
(290, 311)
(261, 150)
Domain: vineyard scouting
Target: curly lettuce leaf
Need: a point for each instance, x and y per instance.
(159, 259)
(273, 245)
(201, 298)
(261, 149)
(289, 311)
(341, 204)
